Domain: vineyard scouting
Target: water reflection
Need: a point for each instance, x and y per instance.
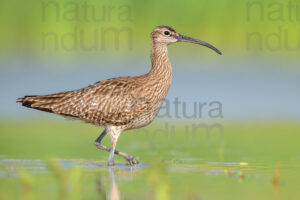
(114, 193)
(108, 188)
(70, 175)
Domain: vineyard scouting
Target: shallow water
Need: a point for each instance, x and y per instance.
(158, 178)
(254, 161)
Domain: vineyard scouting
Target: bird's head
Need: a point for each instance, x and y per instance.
(168, 35)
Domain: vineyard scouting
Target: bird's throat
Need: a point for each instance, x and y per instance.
(161, 66)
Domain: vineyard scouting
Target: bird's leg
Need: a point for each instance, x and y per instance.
(98, 142)
(114, 133)
(111, 154)
(129, 158)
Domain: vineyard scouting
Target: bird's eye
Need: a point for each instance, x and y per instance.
(167, 33)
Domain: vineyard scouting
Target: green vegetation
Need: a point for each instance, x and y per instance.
(49, 159)
(253, 161)
(104, 27)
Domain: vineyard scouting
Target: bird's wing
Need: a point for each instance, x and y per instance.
(111, 101)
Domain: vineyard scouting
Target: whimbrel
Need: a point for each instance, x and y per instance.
(122, 103)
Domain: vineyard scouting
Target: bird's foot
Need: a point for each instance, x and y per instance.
(111, 160)
(110, 163)
(131, 161)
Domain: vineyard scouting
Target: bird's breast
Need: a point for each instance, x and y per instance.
(149, 100)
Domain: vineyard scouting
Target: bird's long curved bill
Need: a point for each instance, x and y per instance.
(182, 38)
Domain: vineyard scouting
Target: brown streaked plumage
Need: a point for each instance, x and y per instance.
(122, 103)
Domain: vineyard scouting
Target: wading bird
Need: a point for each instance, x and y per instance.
(122, 103)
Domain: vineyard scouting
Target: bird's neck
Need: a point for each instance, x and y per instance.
(161, 66)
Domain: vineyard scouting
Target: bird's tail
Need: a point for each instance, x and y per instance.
(42, 102)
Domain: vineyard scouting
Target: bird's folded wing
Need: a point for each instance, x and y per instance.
(110, 101)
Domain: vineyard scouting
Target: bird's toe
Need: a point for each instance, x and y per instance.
(132, 161)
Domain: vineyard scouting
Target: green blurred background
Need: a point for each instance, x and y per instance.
(247, 142)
